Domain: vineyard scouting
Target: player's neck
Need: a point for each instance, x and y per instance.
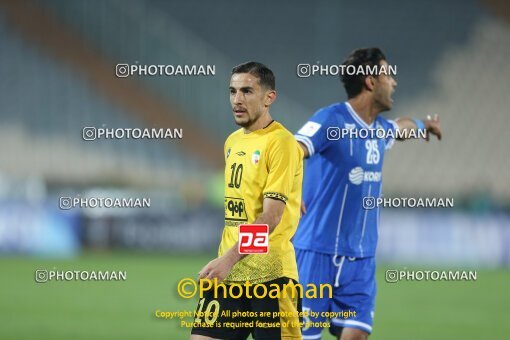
(264, 120)
(364, 108)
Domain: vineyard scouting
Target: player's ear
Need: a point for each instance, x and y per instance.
(270, 97)
(370, 82)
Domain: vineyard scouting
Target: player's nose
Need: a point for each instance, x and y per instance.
(238, 97)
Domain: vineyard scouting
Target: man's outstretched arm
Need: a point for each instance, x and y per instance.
(272, 212)
(431, 125)
(405, 125)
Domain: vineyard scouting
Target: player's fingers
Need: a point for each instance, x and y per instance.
(203, 273)
(436, 117)
(439, 133)
(436, 131)
(211, 275)
(303, 207)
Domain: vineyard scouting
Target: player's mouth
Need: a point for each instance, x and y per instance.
(239, 111)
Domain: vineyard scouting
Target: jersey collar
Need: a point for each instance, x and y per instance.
(358, 118)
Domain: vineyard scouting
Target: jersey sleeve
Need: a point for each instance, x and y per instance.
(284, 158)
(314, 134)
(227, 146)
(391, 128)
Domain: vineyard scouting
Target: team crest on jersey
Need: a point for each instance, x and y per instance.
(228, 152)
(255, 157)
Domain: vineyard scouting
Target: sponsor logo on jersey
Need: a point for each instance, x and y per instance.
(241, 153)
(234, 210)
(357, 175)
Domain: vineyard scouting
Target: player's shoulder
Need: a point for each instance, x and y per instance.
(330, 113)
(383, 122)
(282, 141)
(279, 130)
(280, 134)
(333, 108)
(380, 119)
(281, 138)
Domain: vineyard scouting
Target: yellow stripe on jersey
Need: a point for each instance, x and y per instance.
(264, 163)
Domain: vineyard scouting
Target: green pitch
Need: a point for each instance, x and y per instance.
(126, 310)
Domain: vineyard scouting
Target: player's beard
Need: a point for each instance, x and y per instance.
(246, 121)
(384, 101)
(386, 105)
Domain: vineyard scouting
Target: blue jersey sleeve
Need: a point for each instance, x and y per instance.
(388, 125)
(314, 134)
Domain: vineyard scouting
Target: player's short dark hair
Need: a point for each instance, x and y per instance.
(353, 83)
(261, 71)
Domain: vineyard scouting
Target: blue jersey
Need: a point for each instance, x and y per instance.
(338, 175)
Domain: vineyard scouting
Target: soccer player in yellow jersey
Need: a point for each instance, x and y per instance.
(263, 178)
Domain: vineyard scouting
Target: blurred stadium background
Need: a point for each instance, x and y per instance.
(57, 67)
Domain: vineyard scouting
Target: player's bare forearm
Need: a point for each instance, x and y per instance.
(406, 124)
(271, 215)
(272, 212)
(220, 267)
(431, 125)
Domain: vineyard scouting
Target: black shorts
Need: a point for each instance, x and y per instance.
(235, 313)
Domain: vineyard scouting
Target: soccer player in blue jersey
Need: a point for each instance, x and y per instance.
(336, 238)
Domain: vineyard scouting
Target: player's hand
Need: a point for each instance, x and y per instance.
(217, 268)
(303, 208)
(433, 126)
